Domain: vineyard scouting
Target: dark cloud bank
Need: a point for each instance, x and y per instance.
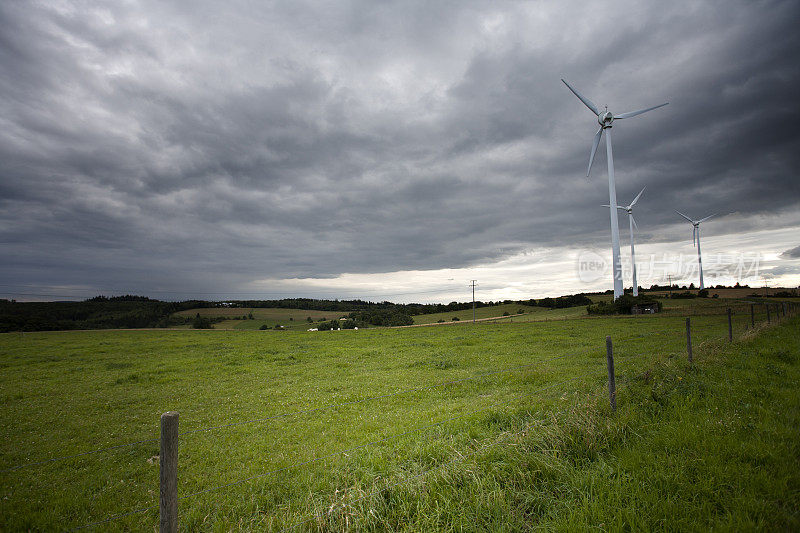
(197, 148)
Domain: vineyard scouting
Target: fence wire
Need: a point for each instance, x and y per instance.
(456, 458)
(378, 397)
(376, 441)
(81, 454)
(114, 517)
(293, 413)
(327, 456)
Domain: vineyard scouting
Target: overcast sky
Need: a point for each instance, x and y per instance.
(387, 150)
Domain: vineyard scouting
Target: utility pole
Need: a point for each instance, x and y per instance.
(472, 284)
(766, 289)
(669, 276)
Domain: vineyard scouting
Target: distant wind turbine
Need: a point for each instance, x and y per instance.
(632, 222)
(606, 118)
(696, 242)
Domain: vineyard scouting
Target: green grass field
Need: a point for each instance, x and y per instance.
(291, 319)
(524, 440)
(495, 313)
(296, 319)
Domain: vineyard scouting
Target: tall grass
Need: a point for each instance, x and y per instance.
(509, 454)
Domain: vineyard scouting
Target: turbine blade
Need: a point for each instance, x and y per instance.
(633, 203)
(703, 219)
(630, 114)
(605, 205)
(635, 225)
(588, 103)
(594, 149)
(694, 236)
(684, 216)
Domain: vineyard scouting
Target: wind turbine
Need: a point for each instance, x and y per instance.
(696, 242)
(606, 119)
(632, 222)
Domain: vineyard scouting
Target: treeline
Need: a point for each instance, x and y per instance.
(382, 317)
(622, 305)
(131, 311)
(573, 300)
(96, 313)
(409, 309)
(346, 306)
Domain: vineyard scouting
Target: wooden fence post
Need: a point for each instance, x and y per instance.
(752, 316)
(730, 326)
(767, 306)
(168, 473)
(689, 338)
(612, 385)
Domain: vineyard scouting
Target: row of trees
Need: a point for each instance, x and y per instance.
(359, 305)
(572, 300)
(96, 313)
(622, 305)
(383, 317)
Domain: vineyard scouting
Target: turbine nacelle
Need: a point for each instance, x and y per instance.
(605, 119)
(696, 226)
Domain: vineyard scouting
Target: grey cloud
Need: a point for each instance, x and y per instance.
(793, 253)
(150, 146)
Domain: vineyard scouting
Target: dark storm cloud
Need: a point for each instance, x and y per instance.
(792, 253)
(154, 147)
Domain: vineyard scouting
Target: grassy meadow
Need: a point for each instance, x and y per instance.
(297, 319)
(467, 426)
(293, 319)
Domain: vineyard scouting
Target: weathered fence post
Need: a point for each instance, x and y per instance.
(767, 306)
(612, 385)
(752, 316)
(689, 338)
(783, 304)
(168, 473)
(730, 326)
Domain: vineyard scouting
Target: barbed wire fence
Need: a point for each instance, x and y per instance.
(169, 500)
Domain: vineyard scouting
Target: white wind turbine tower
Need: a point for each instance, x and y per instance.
(632, 222)
(696, 242)
(606, 118)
